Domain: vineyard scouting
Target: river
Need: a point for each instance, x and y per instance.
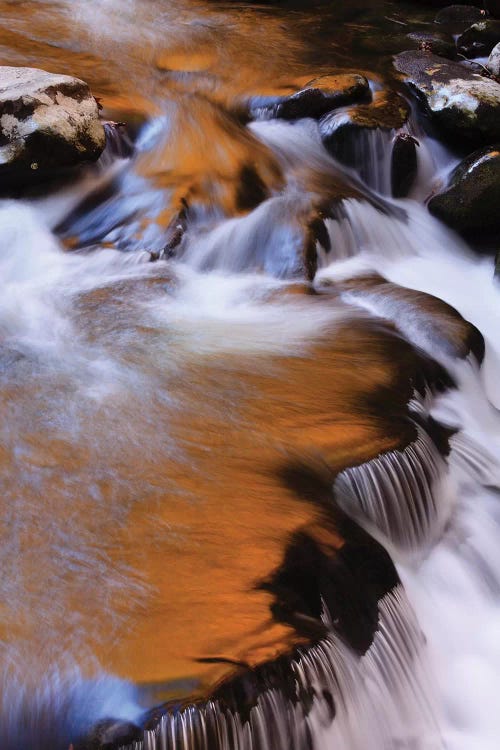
(245, 504)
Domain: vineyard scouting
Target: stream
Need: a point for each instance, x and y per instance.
(248, 499)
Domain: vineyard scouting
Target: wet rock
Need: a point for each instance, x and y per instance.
(493, 63)
(493, 7)
(279, 237)
(437, 43)
(404, 164)
(459, 15)
(388, 111)
(425, 320)
(118, 142)
(315, 98)
(47, 121)
(472, 197)
(346, 134)
(464, 104)
(110, 734)
(479, 39)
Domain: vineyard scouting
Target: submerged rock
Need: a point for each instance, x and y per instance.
(315, 98)
(404, 164)
(459, 14)
(110, 734)
(435, 42)
(493, 63)
(464, 104)
(422, 318)
(47, 121)
(479, 39)
(493, 7)
(472, 198)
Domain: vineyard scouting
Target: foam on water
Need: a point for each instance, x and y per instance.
(454, 589)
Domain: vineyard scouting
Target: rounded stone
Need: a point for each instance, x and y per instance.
(472, 197)
(437, 43)
(493, 63)
(459, 15)
(47, 121)
(464, 104)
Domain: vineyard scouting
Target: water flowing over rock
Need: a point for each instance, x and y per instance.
(472, 197)
(360, 137)
(316, 97)
(464, 104)
(47, 121)
(249, 491)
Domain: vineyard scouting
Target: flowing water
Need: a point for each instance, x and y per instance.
(248, 499)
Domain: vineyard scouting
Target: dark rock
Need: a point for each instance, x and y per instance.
(493, 63)
(497, 265)
(437, 43)
(460, 15)
(347, 135)
(388, 111)
(472, 198)
(110, 734)
(315, 98)
(464, 104)
(493, 7)
(47, 122)
(403, 164)
(479, 39)
(118, 142)
(446, 4)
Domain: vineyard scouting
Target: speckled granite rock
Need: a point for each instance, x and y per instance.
(47, 121)
(493, 63)
(464, 104)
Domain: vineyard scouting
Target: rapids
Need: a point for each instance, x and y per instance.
(248, 494)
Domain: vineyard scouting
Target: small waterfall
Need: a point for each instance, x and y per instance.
(404, 495)
(320, 696)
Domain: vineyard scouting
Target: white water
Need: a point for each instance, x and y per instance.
(454, 587)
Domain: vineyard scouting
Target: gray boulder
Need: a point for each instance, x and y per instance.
(464, 104)
(472, 197)
(47, 121)
(493, 63)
